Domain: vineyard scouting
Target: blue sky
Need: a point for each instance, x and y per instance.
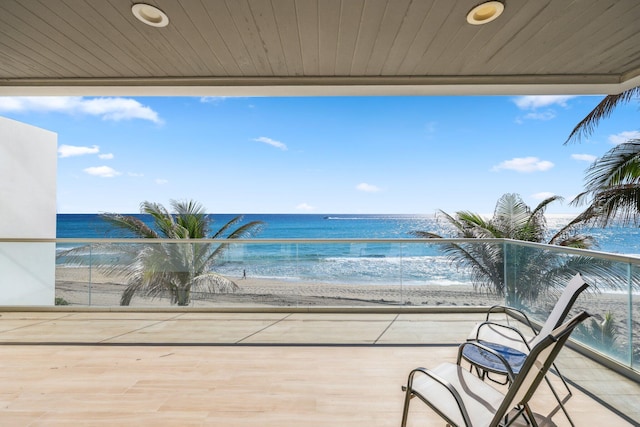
(387, 155)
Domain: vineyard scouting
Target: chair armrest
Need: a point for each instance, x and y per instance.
(446, 385)
(495, 325)
(506, 309)
(500, 357)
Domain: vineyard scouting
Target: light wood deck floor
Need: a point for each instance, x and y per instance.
(239, 369)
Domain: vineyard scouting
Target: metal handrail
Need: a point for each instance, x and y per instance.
(555, 248)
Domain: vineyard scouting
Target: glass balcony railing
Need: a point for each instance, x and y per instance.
(612, 298)
(353, 273)
(264, 273)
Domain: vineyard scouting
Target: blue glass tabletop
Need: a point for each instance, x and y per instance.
(489, 362)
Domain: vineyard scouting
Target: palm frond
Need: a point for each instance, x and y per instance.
(425, 234)
(620, 202)
(129, 224)
(601, 111)
(214, 283)
(454, 222)
(511, 215)
(192, 218)
(129, 292)
(484, 261)
(601, 274)
(619, 165)
(570, 229)
(577, 241)
(542, 206)
(244, 231)
(471, 220)
(187, 207)
(536, 226)
(473, 225)
(223, 230)
(162, 219)
(581, 199)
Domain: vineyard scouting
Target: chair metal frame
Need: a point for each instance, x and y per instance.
(434, 383)
(513, 336)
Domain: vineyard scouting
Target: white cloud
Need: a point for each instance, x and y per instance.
(584, 157)
(271, 142)
(102, 171)
(39, 103)
(623, 137)
(368, 188)
(118, 109)
(533, 102)
(162, 181)
(542, 195)
(524, 164)
(107, 108)
(10, 103)
(73, 150)
(305, 207)
(544, 115)
(106, 156)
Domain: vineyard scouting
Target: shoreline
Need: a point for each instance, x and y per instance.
(79, 286)
(75, 285)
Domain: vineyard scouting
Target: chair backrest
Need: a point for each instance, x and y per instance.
(562, 307)
(536, 366)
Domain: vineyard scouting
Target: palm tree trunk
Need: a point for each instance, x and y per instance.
(183, 296)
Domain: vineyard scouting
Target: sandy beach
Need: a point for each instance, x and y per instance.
(74, 285)
(79, 286)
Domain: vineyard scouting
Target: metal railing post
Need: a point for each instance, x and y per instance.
(630, 312)
(90, 268)
(401, 274)
(504, 272)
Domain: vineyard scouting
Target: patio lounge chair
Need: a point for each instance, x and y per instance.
(512, 345)
(489, 331)
(463, 399)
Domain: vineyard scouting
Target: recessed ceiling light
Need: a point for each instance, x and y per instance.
(150, 15)
(485, 12)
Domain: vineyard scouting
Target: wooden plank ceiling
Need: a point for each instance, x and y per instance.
(225, 46)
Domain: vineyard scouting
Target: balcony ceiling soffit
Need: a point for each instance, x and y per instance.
(318, 47)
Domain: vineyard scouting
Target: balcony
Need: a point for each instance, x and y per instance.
(294, 344)
(64, 365)
(272, 368)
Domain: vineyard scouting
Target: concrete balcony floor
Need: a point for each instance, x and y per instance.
(181, 368)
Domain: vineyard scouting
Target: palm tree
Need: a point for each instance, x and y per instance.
(175, 269)
(603, 335)
(612, 188)
(512, 219)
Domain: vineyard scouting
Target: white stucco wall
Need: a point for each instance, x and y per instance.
(28, 163)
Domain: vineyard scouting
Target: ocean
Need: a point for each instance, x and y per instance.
(349, 262)
(280, 226)
(615, 239)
